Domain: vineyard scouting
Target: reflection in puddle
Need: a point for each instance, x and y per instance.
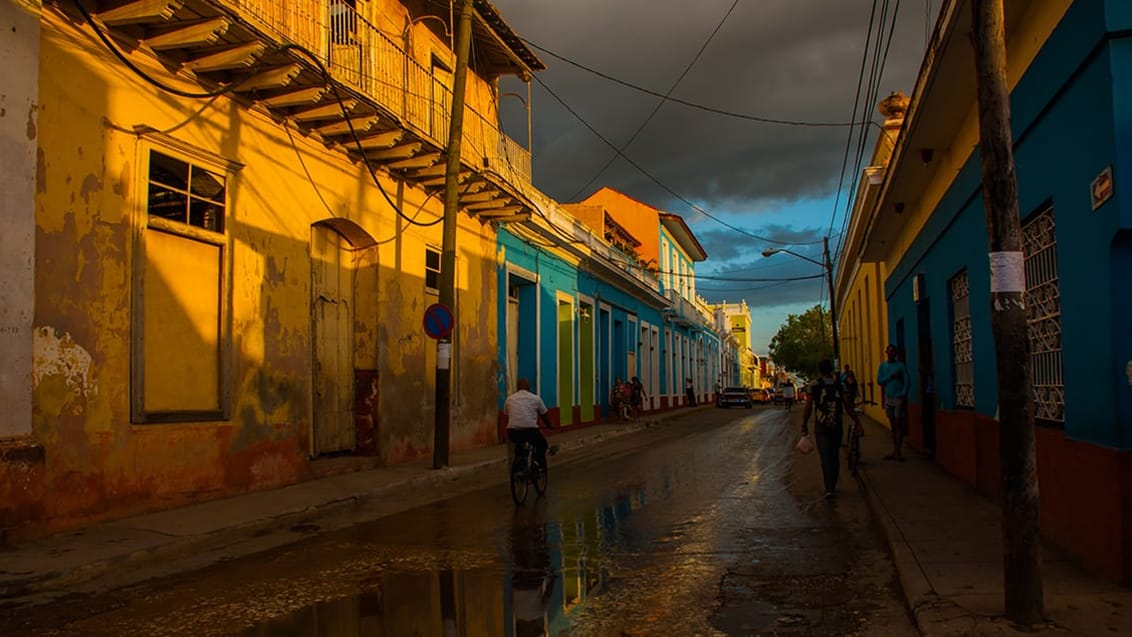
(549, 570)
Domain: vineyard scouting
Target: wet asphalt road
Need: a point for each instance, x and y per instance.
(708, 524)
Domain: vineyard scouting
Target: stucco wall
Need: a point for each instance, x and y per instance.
(89, 208)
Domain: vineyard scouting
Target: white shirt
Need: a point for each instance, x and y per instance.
(523, 409)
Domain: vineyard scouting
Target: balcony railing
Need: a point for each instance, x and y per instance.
(362, 57)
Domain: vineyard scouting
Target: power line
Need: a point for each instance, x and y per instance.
(646, 173)
(659, 104)
(717, 111)
(856, 104)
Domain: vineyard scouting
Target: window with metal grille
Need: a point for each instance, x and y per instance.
(962, 342)
(432, 270)
(1043, 310)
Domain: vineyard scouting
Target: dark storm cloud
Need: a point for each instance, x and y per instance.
(788, 59)
(725, 245)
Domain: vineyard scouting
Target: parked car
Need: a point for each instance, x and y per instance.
(735, 396)
(762, 396)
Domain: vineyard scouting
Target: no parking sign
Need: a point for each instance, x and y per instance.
(438, 321)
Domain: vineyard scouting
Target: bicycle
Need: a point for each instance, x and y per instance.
(853, 455)
(525, 472)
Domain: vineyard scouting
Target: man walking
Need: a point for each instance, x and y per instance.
(828, 401)
(524, 411)
(892, 376)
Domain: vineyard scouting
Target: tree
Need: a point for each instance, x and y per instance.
(802, 341)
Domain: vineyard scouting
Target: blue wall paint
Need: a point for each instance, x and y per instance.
(1071, 114)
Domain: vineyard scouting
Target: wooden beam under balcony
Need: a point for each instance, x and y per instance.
(330, 110)
(359, 124)
(397, 152)
(432, 171)
(490, 204)
(140, 12)
(186, 35)
(277, 77)
(486, 195)
(381, 140)
(310, 95)
(236, 57)
(439, 181)
(505, 211)
(426, 159)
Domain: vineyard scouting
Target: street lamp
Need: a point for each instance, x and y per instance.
(826, 265)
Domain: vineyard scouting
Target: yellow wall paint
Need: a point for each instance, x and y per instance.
(90, 208)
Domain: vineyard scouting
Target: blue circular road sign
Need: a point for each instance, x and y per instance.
(438, 321)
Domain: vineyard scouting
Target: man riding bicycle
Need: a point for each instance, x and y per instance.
(524, 411)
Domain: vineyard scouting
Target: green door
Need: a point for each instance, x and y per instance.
(565, 363)
(586, 362)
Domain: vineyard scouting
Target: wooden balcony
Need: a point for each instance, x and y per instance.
(336, 77)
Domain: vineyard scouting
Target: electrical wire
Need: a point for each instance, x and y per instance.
(652, 178)
(659, 104)
(234, 85)
(717, 111)
(856, 105)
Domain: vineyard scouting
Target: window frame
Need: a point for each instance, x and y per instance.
(151, 141)
(430, 289)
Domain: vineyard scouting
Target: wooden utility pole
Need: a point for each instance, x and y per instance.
(447, 278)
(1021, 543)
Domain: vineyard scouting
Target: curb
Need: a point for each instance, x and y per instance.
(174, 547)
(934, 615)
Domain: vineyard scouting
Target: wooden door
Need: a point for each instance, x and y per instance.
(332, 304)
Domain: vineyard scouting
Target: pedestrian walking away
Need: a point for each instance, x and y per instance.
(892, 376)
(690, 392)
(524, 412)
(636, 397)
(828, 402)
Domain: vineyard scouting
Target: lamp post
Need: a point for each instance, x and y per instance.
(826, 265)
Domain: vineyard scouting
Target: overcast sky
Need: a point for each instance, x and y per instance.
(793, 60)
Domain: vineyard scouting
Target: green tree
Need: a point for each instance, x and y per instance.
(802, 341)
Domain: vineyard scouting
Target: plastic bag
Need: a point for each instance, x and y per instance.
(804, 445)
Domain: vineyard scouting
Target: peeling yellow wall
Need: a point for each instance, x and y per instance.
(90, 209)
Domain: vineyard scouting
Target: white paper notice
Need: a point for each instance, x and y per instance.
(443, 355)
(1007, 272)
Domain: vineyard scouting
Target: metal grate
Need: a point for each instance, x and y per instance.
(1043, 309)
(962, 341)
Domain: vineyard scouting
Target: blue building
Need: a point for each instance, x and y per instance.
(920, 225)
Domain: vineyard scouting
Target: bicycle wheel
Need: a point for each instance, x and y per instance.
(539, 477)
(520, 483)
(854, 452)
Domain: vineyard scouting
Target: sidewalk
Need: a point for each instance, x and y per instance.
(37, 571)
(946, 543)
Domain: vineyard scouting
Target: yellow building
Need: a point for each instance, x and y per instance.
(862, 318)
(235, 225)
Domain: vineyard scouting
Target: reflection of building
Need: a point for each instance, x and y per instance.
(915, 271)
(221, 289)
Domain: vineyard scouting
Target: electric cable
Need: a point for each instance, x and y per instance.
(652, 178)
(690, 104)
(659, 104)
(856, 105)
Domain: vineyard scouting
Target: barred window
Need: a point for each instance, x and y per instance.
(962, 341)
(1043, 310)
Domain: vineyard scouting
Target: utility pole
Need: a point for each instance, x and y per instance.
(447, 278)
(828, 265)
(1021, 550)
